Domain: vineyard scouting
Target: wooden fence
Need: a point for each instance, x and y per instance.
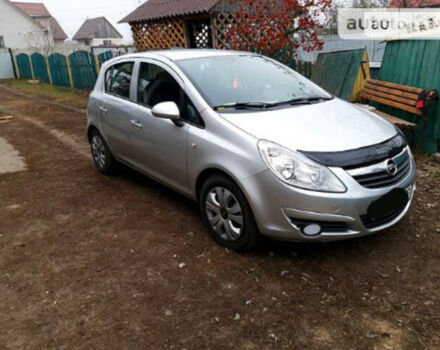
(78, 70)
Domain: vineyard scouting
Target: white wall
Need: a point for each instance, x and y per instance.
(100, 41)
(14, 26)
(6, 68)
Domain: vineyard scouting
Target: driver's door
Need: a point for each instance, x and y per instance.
(161, 147)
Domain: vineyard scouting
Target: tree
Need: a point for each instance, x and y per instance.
(39, 39)
(271, 25)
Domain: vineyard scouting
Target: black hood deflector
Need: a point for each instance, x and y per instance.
(362, 156)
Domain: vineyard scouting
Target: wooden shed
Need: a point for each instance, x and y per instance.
(159, 24)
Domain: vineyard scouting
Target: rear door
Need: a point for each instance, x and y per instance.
(115, 109)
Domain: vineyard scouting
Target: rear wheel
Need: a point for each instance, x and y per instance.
(102, 156)
(228, 214)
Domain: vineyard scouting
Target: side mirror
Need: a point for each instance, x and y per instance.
(166, 110)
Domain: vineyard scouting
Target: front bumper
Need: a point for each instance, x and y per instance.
(277, 207)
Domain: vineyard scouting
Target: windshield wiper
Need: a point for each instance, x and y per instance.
(243, 105)
(303, 100)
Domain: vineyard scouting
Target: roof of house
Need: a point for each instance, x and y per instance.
(38, 10)
(98, 27)
(156, 9)
(33, 9)
(56, 30)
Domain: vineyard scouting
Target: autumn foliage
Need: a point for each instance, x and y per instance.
(271, 25)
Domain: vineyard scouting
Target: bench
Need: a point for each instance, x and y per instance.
(402, 97)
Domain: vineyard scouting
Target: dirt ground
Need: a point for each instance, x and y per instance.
(92, 262)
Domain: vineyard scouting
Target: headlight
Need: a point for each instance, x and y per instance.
(297, 170)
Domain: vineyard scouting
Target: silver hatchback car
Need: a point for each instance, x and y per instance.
(261, 148)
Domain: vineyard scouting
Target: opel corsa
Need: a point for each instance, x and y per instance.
(261, 148)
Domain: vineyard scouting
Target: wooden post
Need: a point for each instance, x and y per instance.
(69, 70)
(49, 73)
(32, 67)
(98, 65)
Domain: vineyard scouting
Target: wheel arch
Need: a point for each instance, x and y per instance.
(90, 129)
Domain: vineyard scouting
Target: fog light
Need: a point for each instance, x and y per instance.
(312, 230)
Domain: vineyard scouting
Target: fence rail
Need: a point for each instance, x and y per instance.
(80, 69)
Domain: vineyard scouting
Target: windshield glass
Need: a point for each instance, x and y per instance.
(246, 79)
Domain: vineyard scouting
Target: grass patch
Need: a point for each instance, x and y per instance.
(69, 96)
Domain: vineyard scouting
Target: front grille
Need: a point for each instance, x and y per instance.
(326, 226)
(371, 223)
(382, 178)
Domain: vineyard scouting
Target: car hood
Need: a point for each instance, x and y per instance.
(330, 126)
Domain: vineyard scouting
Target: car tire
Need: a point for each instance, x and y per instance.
(227, 214)
(103, 158)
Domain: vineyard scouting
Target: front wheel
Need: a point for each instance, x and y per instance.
(228, 214)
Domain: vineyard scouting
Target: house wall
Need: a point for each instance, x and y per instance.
(14, 25)
(100, 41)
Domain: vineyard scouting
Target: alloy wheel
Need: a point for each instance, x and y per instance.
(98, 151)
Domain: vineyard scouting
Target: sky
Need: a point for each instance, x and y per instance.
(72, 13)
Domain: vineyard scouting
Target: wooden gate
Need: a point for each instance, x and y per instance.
(24, 66)
(83, 70)
(40, 68)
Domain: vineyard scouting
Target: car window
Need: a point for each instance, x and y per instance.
(155, 85)
(189, 112)
(118, 79)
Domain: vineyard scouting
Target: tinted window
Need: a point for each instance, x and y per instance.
(118, 79)
(190, 113)
(155, 85)
(2, 42)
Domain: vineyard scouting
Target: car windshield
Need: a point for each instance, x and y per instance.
(248, 80)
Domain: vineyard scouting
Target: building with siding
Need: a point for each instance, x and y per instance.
(16, 27)
(98, 32)
(40, 14)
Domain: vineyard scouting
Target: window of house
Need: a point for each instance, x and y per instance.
(118, 79)
(2, 42)
(107, 42)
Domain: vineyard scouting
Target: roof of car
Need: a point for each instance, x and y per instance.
(182, 54)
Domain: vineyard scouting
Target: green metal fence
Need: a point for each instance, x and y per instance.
(24, 66)
(40, 67)
(83, 66)
(59, 70)
(416, 63)
(105, 56)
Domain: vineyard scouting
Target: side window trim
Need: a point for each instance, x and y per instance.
(110, 69)
(174, 75)
(162, 65)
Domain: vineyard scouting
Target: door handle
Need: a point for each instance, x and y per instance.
(136, 124)
(103, 110)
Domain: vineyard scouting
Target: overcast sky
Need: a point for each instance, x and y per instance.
(72, 13)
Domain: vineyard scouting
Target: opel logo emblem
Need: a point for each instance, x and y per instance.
(391, 167)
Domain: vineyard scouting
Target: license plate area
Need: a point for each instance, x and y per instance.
(389, 203)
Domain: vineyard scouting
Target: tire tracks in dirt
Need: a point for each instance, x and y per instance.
(61, 136)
